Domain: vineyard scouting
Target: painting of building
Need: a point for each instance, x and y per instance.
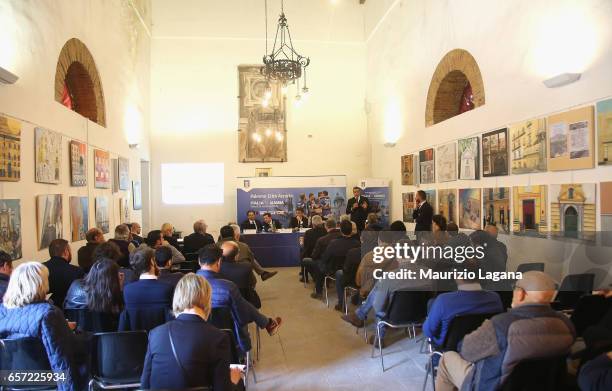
(604, 131)
(426, 166)
(123, 168)
(79, 217)
(49, 219)
(528, 146)
(102, 214)
(10, 149)
(469, 158)
(124, 211)
(571, 140)
(430, 196)
(408, 170)
(605, 194)
(48, 155)
(408, 206)
(136, 195)
(529, 209)
(447, 204)
(10, 228)
(102, 172)
(495, 153)
(262, 135)
(469, 208)
(572, 210)
(78, 163)
(496, 207)
(446, 162)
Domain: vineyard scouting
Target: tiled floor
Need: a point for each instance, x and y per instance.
(316, 350)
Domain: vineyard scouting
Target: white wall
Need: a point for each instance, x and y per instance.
(516, 44)
(194, 105)
(32, 33)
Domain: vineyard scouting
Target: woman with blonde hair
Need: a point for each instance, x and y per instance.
(25, 312)
(188, 352)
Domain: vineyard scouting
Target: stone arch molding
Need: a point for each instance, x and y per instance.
(77, 70)
(447, 83)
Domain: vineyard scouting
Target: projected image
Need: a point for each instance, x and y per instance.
(192, 183)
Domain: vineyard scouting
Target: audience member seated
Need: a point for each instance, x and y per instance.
(468, 299)
(269, 224)
(61, 272)
(6, 268)
(135, 231)
(198, 239)
(226, 294)
(232, 233)
(26, 313)
(94, 236)
(99, 292)
(251, 222)
(531, 329)
(456, 238)
(337, 248)
(596, 374)
(167, 231)
(310, 239)
(155, 240)
(109, 250)
(148, 300)
(126, 247)
(299, 221)
(188, 352)
(364, 277)
(492, 230)
(373, 223)
(239, 272)
(495, 257)
(163, 258)
(346, 276)
(333, 232)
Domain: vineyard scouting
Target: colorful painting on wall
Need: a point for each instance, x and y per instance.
(102, 215)
(430, 196)
(571, 140)
(469, 208)
(605, 194)
(496, 207)
(426, 166)
(102, 172)
(408, 206)
(78, 163)
(79, 217)
(124, 173)
(124, 210)
(604, 131)
(10, 228)
(572, 210)
(136, 195)
(446, 162)
(469, 158)
(48, 155)
(10, 149)
(409, 164)
(49, 219)
(529, 209)
(528, 146)
(495, 153)
(447, 204)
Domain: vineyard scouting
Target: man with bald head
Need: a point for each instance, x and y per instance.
(531, 329)
(239, 272)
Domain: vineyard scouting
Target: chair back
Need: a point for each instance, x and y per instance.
(528, 267)
(191, 257)
(544, 374)
(221, 318)
(336, 263)
(460, 326)
(23, 354)
(188, 266)
(92, 321)
(573, 287)
(505, 297)
(589, 310)
(132, 319)
(407, 307)
(118, 357)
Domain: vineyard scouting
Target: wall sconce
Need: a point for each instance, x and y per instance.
(389, 145)
(134, 146)
(562, 80)
(7, 77)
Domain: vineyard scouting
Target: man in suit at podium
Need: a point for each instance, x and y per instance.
(299, 221)
(269, 224)
(423, 213)
(358, 207)
(251, 222)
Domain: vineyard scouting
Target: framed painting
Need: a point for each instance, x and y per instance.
(529, 210)
(79, 217)
(604, 132)
(124, 173)
(446, 162)
(469, 158)
(49, 219)
(495, 153)
(409, 164)
(78, 163)
(124, 210)
(571, 140)
(572, 210)
(102, 214)
(469, 208)
(426, 166)
(528, 141)
(496, 207)
(10, 222)
(430, 196)
(10, 148)
(408, 206)
(102, 172)
(605, 205)
(48, 156)
(136, 195)
(447, 204)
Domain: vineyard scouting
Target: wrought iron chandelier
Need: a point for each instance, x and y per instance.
(283, 64)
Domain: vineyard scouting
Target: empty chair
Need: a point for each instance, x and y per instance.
(24, 354)
(544, 374)
(406, 310)
(117, 359)
(572, 288)
(527, 267)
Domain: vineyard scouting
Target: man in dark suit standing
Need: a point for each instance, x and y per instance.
(358, 207)
(269, 224)
(299, 221)
(61, 272)
(198, 239)
(251, 222)
(423, 213)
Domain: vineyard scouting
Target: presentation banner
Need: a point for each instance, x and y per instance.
(377, 191)
(280, 196)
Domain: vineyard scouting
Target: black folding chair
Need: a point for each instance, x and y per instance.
(117, 359)
(406, 310)
(92, 321)
(572, 288)
(24, 354)
(589, 310)
(528, 267)
(459, 327)
(544, 374)
(506, 298)
(336, 263)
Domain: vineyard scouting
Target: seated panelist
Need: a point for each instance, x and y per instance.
(251, 222)
(269, 224)
(299, 221)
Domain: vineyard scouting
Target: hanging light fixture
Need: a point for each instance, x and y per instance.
(283, 64)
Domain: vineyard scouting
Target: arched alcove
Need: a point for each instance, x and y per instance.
(456, 87)
(77, 82)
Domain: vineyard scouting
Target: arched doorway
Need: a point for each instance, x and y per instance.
(570, 222)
